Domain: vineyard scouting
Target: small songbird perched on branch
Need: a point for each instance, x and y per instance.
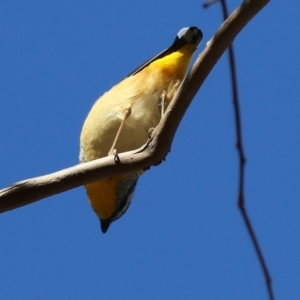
(120, 120)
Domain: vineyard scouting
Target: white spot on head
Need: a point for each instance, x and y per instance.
(185, 33)
(189, 34)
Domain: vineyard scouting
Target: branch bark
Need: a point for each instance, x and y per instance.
(156, 149)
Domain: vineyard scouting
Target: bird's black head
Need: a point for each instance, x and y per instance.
(187, 35)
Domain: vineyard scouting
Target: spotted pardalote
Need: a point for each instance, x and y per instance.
(120, 120)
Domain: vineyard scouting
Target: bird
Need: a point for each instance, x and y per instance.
(121, 119)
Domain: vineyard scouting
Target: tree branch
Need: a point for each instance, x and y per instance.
(156, 149)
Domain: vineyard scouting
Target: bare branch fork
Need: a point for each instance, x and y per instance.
(157, 148)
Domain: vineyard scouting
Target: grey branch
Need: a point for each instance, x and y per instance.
(157, 148)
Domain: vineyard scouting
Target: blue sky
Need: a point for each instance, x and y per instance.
(182, 237)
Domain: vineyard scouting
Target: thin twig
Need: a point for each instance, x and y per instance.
(242, 158)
